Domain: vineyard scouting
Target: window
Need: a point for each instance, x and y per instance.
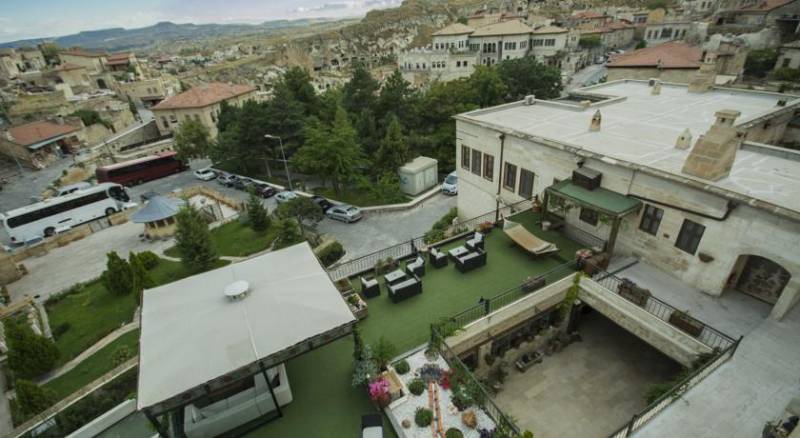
(651, 219)
(666, 32)
(458, 63)
(488, 167)
(465, 157)
(786, 62)
(164, 122)
(464, 64)
(173, 118)
(525, 183)
(538, 42)
(510, 177)
(589, 216)
(523, 44)
(510, 45)
(690, 235)
(476, 162)
(550, 42)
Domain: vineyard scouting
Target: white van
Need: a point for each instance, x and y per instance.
(450, 184)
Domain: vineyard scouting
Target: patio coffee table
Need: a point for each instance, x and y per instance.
(458, 252)
(394, 276)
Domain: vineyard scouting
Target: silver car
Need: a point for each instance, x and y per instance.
(285, 196)
(344, 212)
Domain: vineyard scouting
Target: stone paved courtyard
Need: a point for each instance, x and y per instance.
(589, 389)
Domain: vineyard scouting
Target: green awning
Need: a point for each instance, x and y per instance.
(603, 200)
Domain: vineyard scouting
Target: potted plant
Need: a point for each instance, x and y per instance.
(379, 392)
(485, 227)
(344, 285)
(683, 321)
(357, 306)
(536, 205)
(633, 293)
(423, 417)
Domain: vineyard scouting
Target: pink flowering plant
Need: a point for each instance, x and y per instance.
(379, 391)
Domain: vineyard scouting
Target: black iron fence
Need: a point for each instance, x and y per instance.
(410, 247)
(708, 335)
(505, 427)
(495, 303)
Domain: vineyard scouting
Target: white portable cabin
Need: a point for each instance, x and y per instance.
(418, 175)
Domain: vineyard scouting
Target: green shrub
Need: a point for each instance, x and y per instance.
(656, 390)
(433, 236)
(453, 433)
(384, 351)
(402, 367)
(149, 259)
(121, 355)
(331, 253)
(61, 329)
(416, 386)
(118, 277)
(288, 233)
(787, 74)
(31, 399)
(423, 417)
(29, 355)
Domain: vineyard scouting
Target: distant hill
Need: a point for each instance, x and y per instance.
(124, 39)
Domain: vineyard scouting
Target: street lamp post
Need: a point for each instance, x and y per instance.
(285, 163)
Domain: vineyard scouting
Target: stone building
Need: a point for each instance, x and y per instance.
(613, 35)
(760, 12)
(789, 55)
(36, 144)
(94, 62)
(147, 91)
(659, 33)
(718, 203)
(456, 49)
(201, 103)
(73, 75)
(13, 62)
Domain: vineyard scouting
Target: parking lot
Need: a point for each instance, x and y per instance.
(85, 259)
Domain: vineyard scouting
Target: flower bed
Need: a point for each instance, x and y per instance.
(403, 410)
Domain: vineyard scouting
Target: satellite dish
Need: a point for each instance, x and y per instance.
(237, 290)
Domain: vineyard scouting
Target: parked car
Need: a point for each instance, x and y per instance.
(264, 190)
(242, 183)
(344, 212)
(323, 203)
(285, 196)
(450, 184)
(205, 174)
(227, 179)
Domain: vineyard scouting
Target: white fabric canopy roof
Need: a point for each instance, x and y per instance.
(192, 333)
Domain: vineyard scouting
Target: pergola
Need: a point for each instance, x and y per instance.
(158, 215)
(606, 202)
(203, 334)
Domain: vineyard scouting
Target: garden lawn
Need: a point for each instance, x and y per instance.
(235, 239)
(94, 367)
(168, 271)
(91, 313)
(357, 197)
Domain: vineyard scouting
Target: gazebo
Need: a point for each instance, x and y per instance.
(158, 216)
(213, 346)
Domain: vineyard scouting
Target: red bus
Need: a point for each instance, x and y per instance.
(140, 170)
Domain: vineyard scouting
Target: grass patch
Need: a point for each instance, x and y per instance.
(91, 313)
(94, 367)
(355, 196)
(168, 271)
(235, 239)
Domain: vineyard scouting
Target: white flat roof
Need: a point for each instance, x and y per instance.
(191, 333)
(643, 128)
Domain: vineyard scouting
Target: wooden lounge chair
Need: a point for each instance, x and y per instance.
(527, 240)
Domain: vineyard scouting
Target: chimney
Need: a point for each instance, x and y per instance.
(596, 119)
(656, 90)
(703, 79)
(684, 140)
(713, 155)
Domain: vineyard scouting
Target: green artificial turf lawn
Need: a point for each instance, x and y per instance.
(235, 239)
(92, 313)
(325, 405)
(94, 367)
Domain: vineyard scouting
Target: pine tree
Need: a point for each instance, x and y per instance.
(256, 213)
(32, 399)
(194, 241)
(393, 152)
(118, 277)
(29, 355)
(141, 276)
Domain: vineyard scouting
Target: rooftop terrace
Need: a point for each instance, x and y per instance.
(641, 128)
(325, 405)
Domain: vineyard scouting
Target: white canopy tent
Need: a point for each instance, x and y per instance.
(194, 335)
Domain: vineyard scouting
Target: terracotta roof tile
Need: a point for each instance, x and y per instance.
(667, 55)
(512, 27)
(549, 29)
(204, 95)
(36, 132)
(454, 29)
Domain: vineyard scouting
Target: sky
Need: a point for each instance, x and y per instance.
(21, 19)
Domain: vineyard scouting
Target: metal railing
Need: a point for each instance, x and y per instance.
(410, 247)
(709, 336)
(504, 425)
(641, 418)
(495, 303)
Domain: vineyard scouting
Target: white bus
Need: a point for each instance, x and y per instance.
(57, 214)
